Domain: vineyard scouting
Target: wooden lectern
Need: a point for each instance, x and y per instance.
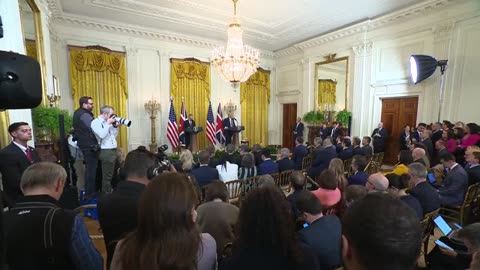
(192, 132)
(236, 130)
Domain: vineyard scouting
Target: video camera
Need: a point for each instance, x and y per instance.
(122, 121)
(163, 158)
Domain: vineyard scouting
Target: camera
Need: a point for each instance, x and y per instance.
(163, 158)
(122, 121)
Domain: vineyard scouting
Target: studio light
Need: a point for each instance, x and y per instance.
(422, 67)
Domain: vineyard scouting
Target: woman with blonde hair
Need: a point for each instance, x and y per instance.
(186, 157)
(336, 165)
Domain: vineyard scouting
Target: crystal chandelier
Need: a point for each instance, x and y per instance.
(237, 62)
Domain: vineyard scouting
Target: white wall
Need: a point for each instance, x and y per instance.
(378, 52)
(148, 72)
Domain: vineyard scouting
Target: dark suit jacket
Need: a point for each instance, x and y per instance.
(258, 157)
(117, 214)
(298, 130)
(322, 160)
(359, 151)
(268, 167)
(368, 150)
(299, 153)
(427, 196)
(437, 135)
(285, 164)
(228, 133)
(358, 178)
(346, 153)
(417, 136)
(323, 236)
(402, 139)
(379, 141)
(333, 133)
(454, 187)
(205, 175)
(473, 175)
(324, 133)
(186, 125)
(429, 145)
(436, 158)
(13, 161)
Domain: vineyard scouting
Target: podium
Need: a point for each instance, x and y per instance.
(236, 130)
(192, 132)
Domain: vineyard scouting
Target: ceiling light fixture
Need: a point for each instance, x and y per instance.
(237, 62)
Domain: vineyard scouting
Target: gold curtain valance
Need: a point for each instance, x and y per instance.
(191, 69)
(260, 79)
(95, 60)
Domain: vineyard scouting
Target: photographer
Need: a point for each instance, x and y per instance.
(86, 141)
(105, 129)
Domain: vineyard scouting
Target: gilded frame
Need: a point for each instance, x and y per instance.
(328, 61)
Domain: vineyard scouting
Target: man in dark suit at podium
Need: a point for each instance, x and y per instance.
(15, 158)
(190, 123)
(229, 123)
(298, 129)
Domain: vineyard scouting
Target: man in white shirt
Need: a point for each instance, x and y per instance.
(105, 129)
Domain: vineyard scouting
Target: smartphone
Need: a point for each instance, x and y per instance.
(458, 226)
(431, 178)
(440, 243)
(305, 225)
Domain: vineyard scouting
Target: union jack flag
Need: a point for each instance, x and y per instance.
(219, 126)
(183, 119)
(210, 125)
(172, 128)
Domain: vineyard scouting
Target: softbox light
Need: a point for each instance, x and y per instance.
(20, 81)
(422, 67)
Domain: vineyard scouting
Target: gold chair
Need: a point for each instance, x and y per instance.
(307, 162)
(347, 167)
(276, 177)
(460, 214)
(234, 190)
(283, 180)
(428, 226)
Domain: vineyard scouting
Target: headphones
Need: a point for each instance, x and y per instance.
(153, 171)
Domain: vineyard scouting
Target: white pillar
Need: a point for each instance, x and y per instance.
(362, 103)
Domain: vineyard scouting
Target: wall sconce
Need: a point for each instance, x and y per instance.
(55, 96)
(152, 107)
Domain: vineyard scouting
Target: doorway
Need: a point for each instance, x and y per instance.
(289, 119)
(396, 114)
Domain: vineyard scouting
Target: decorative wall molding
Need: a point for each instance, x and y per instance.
(443, 31)
(363, 49)
(368, 25)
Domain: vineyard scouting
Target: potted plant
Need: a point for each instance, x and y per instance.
(343, 116)
(315, 118)
(46, 124)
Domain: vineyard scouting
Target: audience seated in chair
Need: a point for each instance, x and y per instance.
(455, 185)
(378, 233)
(299, 152)
(337, 166)
(227, 171)
(117, 211)
(265, 236)
(28, 226)
(328, 193)
(166, 225)
(472, 156)
(217, 217)
(421, 189)
(204, 174)
(427, 141)
(347, 149)
(323, 234)
(317, 146)
(357, 149)
(397, 186)
(285, 163)
(247, 168)
(268, 166)
(213, 162)
(231, 156)
(440, 149)
(404, 159)
(297, 182)
(367, 148)
(419, 154)
(471, 137)
(354, 193)
(257, 152)
(358, 177)
(448, 136)
(377, 182)
(322, 160)
(187, 163)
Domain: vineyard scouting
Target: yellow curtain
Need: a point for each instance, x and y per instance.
(101, 75)
(327, 94)
(190, 80)
(4, 123)
(31, 47)
(254, 99)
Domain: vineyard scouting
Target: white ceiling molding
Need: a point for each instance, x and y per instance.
(367, 25)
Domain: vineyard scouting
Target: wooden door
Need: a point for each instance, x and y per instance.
(396, 114)
(289, 119)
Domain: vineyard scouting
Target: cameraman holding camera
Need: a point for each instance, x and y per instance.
(105, 129)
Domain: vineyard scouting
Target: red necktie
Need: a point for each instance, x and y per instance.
(29, 154)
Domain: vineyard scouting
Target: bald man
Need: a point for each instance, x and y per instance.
(418, 155)
(379, 136)
(427, 141)
(377, 182)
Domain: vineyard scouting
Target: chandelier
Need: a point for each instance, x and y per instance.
(237, 62)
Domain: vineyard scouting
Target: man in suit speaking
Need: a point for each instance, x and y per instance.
(190, 123)
(15, 158)
(229, 123)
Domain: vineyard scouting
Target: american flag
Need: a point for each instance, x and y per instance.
(183, 119)
(219, 126)
(210, 125)
(172, 128)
